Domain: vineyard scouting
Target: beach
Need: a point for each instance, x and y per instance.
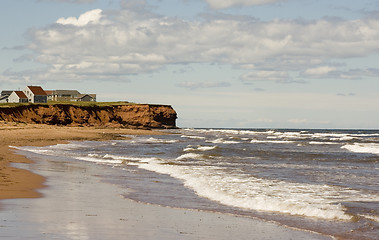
(59, 199)
(18, 183)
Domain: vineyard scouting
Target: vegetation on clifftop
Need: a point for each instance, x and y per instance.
(79, 104)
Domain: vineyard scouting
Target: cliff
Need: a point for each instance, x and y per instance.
(129, 116)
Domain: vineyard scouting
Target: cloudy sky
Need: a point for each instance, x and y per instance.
(219, 63)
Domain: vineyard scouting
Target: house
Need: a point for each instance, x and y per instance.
(4, 99)
(17, 97)
(49, 94)
(65, 95)
(35, 94)
(70, 96)
(86, 98)
(6, 92)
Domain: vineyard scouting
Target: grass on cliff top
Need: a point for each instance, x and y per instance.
(81, 104)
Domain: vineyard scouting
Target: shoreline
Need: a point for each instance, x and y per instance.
(20, 183)
(39, 195)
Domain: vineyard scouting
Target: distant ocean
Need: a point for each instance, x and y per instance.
(325, 181)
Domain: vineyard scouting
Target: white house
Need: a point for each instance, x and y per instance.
(17, 97)
(35, 94)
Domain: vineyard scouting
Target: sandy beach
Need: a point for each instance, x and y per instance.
(18, 183)
(68, 200)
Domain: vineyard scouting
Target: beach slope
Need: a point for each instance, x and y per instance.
(19, 183)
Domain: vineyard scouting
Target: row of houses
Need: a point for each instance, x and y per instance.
(36, 94)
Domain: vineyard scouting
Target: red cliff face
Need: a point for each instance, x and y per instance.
(131, 116)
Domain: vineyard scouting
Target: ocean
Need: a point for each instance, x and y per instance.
(324, 181)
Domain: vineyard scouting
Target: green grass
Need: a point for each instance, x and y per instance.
(81, 104)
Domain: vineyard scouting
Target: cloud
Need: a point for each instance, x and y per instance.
(196, 85)
(69, 1)
(346, 94)
(92, 17)
(333, 72)
(277, 76)
(218, 4)
(113, 44)
(319, 71)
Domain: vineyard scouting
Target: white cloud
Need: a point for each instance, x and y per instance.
(101, 45)
(195, 85)
(92, 16)
(277, 76)
(69, 1)
(333, 72)
(218, 4)
(319, 71)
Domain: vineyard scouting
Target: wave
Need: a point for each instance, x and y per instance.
(199, 148)
(192, 137)
(99, 159)
(270, 141)
(322, 143)
(223, 141)
(157, 140)
(190, 156)
(363, 148)
(311, 200)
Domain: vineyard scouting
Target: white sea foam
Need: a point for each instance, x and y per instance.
(363, 148)
(192, 137)
(310, 200)
(37, 150)
(98, 159)
(157, 140)
(343, 138)
(206, 148)
(334, 136)
(322, 143)
(223, 141)
(270, 141)
(190, 156)
(188, 149)
(371, 217)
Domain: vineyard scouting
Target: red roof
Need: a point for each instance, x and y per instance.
(37, 90)
(21, 94)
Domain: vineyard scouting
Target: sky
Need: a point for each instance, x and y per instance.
(219, 63)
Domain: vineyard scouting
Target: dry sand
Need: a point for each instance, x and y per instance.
(77, 204)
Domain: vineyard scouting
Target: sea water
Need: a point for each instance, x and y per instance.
(319, 180)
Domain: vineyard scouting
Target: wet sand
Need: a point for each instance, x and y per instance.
(18, 183)
(77, 204)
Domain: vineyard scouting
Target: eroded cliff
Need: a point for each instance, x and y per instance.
(130, 116)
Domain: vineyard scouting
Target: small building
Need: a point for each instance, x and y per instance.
(17, 97)
(86, 98)
(49, 94)
(4, 99)
(35, 94)
(6, 93)
(70, 96)
(65, 95)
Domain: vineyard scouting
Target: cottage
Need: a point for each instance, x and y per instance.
(86, 98)
(6, 93)
(49, 94)
(4, 99)
(65, 95)
(35, 94)
(17, 97)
